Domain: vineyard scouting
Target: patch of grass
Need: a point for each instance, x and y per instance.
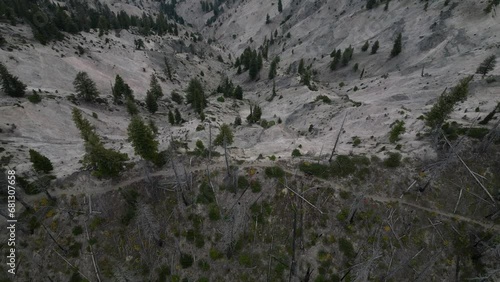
(274, 172)
(318, 170)
(243, 182)
(393, 160)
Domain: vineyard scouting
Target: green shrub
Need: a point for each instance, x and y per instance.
(215, 254)
(342, 215)
(74, 249)
(220, 99)
(206, 195)
(393, 160)
(247, 259)
(296, 153)
(356, 141)
(77, 230)
(213, 212)
(446, 102)
(315, 169)
(35, 98)
(397, 129)
(243, 182)
(186, 260)
(343, 166)
(255, 186)
(346, 247)
(323, 98)
(203, 265)
(94, 115)
(275, 171)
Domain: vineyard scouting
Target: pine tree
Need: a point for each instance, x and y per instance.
(375, 47)
(178, 117)
(365, 46)
(11, 85)
(40, 162)
(195, 95)
(132, 107)
(273, 68)
(225, 135)
(255, 114)
(396, 49)
(386, 7)
(121, 89)
(280, 6)
(238, 93)
(155, 88)
(171, 118)
(104, 162)
(300, 70)
(487, 65)
(168, 69)
(85, 87)
(253, 70)
(151, 103)
(268, 19)
(370, 4)
(142, 138)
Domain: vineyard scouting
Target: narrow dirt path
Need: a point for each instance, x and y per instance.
(107, 186)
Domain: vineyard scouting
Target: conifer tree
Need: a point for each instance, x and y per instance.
(40, 162)
(121, 89)
(238, 93)
(396, 49)
(155, 88)
(268, 19)
(300, 70)
(255, 114)
(104, 162)
(195, 95)
(132, 107)
(85, 87)
(151, 103)
(487, 65)
(365, 46)
(280, 6)
(375, 47)
(273, 68)
(225, 135)
(11, 85)
(142, 138)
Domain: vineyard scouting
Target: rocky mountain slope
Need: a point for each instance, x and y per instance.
(425, 217)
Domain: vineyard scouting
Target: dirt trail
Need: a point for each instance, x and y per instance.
(108, 186)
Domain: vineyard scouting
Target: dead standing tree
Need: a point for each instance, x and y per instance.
(338, 137)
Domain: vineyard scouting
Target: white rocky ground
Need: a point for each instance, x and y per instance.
(449, 41)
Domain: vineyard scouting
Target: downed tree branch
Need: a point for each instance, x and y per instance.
(469, 170)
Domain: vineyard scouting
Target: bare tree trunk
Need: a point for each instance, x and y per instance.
(225, 154)
(292, 264)
(338, 137)
(209, 142)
